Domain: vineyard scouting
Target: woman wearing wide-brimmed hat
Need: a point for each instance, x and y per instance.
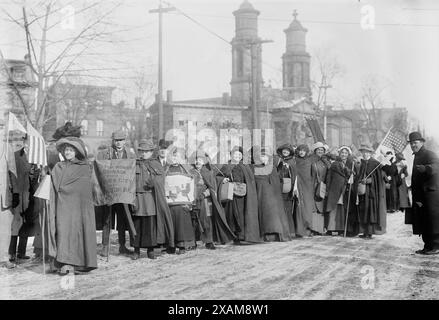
(72, 207)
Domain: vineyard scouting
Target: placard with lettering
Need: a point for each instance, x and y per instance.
(117, 179)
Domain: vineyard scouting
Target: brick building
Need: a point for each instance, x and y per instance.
(92, 107)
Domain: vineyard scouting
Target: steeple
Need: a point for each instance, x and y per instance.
(246, 31)
(296, 61)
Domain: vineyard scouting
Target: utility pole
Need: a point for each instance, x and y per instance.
(160, 11)
(325, 121)
(254, 46)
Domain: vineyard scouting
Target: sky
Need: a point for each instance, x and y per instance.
(402, 50)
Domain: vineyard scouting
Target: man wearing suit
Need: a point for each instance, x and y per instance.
(118, 150)
(425, 191)
(23, 186)
(163, 152)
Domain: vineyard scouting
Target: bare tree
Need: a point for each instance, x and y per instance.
(327, 68)
(372, 99)
(52, 56)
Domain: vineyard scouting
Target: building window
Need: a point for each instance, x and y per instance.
(99, 105)
(99, 128)
(209, 124)
(181, 123)
(84, 127)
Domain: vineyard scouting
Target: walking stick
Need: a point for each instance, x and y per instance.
(109, 233)
(349, 201)
(43, 237)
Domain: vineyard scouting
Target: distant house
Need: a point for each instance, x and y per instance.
(16, 77)
(91, 107)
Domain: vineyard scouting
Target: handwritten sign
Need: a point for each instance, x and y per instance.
(117, 179)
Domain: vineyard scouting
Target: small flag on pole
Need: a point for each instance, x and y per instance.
(43, 191)
(14, 124)
(396, 140)
(37, 147)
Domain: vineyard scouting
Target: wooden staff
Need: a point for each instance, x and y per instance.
(109, 233)
(43, 237)
(349, 201)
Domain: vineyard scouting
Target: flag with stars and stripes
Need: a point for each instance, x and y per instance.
(395, 139)
(37, 147)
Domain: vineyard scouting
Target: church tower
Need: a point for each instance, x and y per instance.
(246, 32)
(296, 62)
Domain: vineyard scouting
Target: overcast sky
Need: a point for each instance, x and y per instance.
(402, 49)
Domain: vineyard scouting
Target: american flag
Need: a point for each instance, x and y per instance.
(395, 139)
(315, 129)
(37, 147)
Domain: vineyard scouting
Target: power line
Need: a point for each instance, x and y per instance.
(327, 21)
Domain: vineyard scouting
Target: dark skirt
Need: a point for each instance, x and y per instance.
(183, 229)
(235, 211)
(146, 229)
(288, 206)
(335, 220)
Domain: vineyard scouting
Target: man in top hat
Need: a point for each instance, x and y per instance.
(425, 191)
(118, 150)
(370, 189)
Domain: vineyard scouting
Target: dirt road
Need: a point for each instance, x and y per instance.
(312, 268)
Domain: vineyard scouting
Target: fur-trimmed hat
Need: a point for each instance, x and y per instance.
(75, 142)
(67, 130)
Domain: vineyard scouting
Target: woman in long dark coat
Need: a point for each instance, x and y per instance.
(242, 211)
(305, 192)
(184, 235)
(72, 205)
(371, 204)
(403, 196)
(319, 169)
(207, 209)
(286, 167)
(391, 177)
(272, 218)
(339, 188)
(145, 212)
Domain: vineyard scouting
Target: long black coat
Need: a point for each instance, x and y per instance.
(425, 191)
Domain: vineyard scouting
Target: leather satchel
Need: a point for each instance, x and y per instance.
(286, 186)
(239, 189)
(320, 191)
(226, 191)
(361, 189)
